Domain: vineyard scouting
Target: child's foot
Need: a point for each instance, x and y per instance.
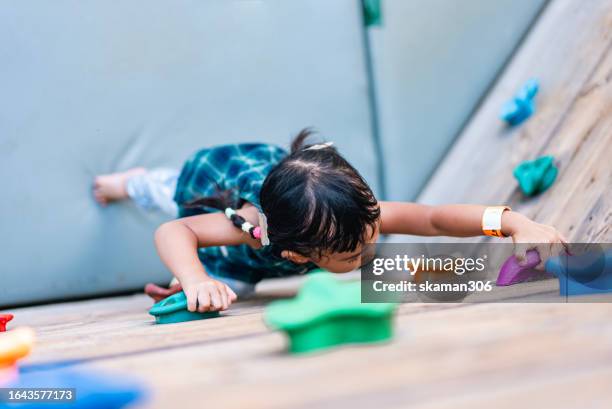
(111, 187)
(159, 293)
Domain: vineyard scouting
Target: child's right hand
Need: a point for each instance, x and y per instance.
(207, 294)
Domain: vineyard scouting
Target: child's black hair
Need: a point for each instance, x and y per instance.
(316, 202)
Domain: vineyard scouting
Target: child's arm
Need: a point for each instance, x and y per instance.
(177, 243)
(464, 221)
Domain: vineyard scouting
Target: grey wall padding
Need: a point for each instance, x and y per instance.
(433, 60)
(90, 87)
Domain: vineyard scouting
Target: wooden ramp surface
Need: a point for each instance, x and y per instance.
(443, 355)
(570, 51)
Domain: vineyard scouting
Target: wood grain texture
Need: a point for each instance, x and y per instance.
(88, 330)
(570, 51)
(442, 356)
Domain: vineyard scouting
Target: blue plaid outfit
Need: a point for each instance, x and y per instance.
(241, 168)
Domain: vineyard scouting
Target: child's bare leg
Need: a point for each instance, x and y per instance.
(149, 189)
(112, 187)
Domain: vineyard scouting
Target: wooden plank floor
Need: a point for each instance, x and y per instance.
(443, 355)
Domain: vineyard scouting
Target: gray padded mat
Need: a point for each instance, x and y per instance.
(89, 87)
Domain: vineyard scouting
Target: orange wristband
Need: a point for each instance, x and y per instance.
(491, 220)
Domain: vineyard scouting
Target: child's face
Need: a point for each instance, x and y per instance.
(345, 262)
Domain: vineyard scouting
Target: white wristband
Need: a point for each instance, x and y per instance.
(491, 220)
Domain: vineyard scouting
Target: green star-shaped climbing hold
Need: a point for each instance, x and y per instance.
(327, 313)
(174, 309)
(536, 176)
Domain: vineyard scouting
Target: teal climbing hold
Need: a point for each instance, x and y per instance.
(327, 313)
(372, 14)
(536, 176)
(174, 309)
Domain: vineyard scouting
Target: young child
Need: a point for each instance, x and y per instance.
(248, 212)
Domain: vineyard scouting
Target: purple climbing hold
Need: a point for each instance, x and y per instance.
(513, 272)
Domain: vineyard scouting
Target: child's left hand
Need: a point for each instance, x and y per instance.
(527, 234)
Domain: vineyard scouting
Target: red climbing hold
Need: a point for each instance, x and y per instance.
(4, 318)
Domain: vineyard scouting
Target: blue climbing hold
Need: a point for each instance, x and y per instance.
(83, 390)
(588, 273)
(522, 106)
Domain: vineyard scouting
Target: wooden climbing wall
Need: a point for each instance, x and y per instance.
(443, 356)
(570, 51)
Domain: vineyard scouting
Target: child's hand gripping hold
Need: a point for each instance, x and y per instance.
(527, 234)
(207, 294)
